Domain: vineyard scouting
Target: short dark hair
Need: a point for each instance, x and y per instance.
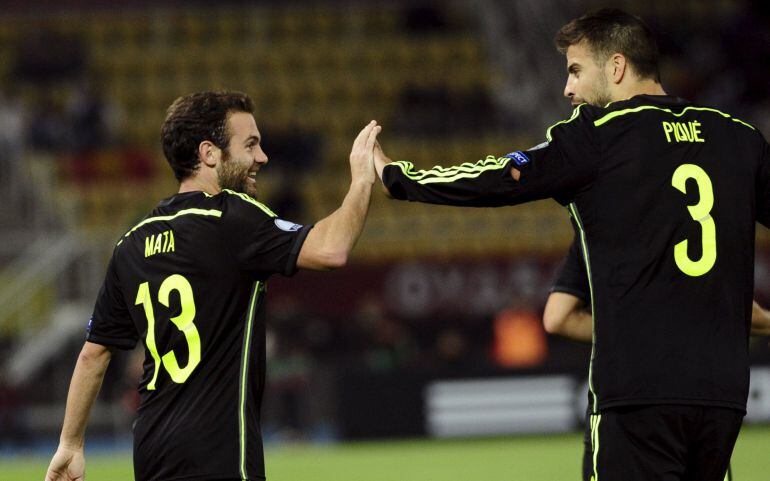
(611, 30)
(194, 118)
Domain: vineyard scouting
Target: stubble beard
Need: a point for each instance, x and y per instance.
(233, 177)
(601, 94)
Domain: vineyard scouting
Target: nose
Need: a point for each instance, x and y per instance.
(260, 156)
(568, 91)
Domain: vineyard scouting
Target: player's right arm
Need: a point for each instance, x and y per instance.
(486, 183)
(68, 464)
(110, 328)
(329, 243)
(559, 168)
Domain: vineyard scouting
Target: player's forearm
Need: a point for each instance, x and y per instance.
(486, 183)
(760, 321)
(565, 315)
(333, 238)
(86, 382)
(578, 327)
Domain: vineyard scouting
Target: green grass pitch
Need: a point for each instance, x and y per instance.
(531, 458)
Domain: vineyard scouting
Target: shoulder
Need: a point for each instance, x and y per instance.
(193, 210)
(238, 203)
(241, 211)
(673, 107)
(719, 113)
(581, 119)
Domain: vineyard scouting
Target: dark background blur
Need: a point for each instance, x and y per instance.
(433, 295)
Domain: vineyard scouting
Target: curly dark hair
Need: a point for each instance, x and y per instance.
(611, 30)
(194, 118)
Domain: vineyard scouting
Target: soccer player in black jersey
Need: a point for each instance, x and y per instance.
(664, 196)
(188, 281)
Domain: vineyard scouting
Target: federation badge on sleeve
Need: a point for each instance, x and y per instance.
(287, 226)
(519, 158)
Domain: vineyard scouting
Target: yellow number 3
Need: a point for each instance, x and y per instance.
(183, 322)
(700, 212)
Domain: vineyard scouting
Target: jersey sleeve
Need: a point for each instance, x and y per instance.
(763, 185)
(558, 168)
(486, 183)
(263, 243)
(111, 323)
(571, 277)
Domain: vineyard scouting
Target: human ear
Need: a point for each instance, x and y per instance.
(617, 65)
(208, 153)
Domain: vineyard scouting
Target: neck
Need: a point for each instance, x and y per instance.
(193, 184)
(641, 87)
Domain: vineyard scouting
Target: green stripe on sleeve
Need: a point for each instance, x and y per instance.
(440, 174)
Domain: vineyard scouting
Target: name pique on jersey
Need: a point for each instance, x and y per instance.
(683, 131)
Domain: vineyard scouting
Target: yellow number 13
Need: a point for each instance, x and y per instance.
(700, 212)
(183, 322)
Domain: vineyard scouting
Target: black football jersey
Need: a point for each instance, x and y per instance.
(664, 196)
(189, 281)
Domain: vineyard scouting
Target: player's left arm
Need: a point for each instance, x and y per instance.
(566, 315)
(566, 310)
(68, 464)
(760, 318)
(763, 182)
(760, 321)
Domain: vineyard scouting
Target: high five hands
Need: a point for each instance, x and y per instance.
(367, 159)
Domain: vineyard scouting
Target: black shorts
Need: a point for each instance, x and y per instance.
(661, 443)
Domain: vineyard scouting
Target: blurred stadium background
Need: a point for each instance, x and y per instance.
(434, 331)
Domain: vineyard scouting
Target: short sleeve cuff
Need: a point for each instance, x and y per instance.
(580, 294)
(124, 344)
(291, 263)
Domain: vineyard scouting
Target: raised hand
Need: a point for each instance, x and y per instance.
(362, 154)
